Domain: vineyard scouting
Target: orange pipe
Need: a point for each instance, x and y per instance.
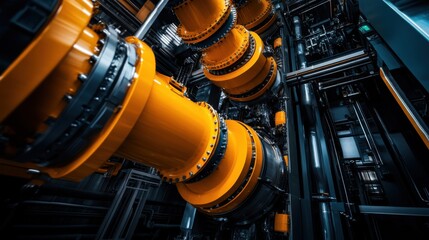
(155, 125)
(234, 61)
(172, 133)
(19, 80)
(228, 50)
(200, 19)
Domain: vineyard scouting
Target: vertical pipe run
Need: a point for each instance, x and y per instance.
(188, 221)
(307, 103)
(299, 43)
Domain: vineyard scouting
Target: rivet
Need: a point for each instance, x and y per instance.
(33, 171)
(82, 77)
(191, 174)
(204, 159)
(68, 97)
(211, 145)
(208, 152)
(198, 166)
(93, 59)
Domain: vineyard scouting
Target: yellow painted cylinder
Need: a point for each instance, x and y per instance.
(277, 43)
(210, 193)
(244, 74)
(172, 134)
(280, 118)
(228, 50)
(200, 19)
(281, 222)
(286, 160)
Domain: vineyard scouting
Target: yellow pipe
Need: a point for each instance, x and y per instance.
(228, 50)
(280, 118)
(244, 152)
(172, 134)
(218, 164)
(200, 19)
(159, 127)
(234, 59)
(281, 222)
(277, 42)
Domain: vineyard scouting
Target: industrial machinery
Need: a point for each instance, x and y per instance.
(214, 119)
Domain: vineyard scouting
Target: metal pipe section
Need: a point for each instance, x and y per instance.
(299, 43)
(308, 109)
(328, 67)
(188, 221)
(144, 28)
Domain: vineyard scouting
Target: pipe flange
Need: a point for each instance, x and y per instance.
(221, 33)
(235, 198)
(240, 62)
(218, 154)
(261, 88)
(96, 101)
(245, 181)
(234, 57)
(196, 37)
(191, 171)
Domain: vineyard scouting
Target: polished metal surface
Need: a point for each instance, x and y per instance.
(360, 54)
